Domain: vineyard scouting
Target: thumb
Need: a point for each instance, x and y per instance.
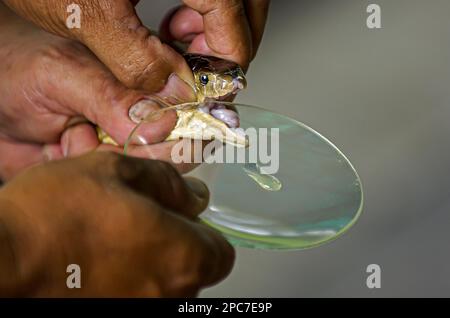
(133, 54)
(95, 94)
(110, 106)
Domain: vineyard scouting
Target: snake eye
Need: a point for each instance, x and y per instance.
(204, 79)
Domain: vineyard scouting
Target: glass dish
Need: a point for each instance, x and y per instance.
(302, 193)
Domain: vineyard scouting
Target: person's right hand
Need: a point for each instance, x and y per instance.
(114, 33)
(229, 29)
(130, 225)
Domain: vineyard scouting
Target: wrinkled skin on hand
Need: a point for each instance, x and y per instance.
(114, 33)
(50, 87)
(229, 29)
(129, 224)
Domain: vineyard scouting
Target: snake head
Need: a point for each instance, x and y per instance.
(215, 78)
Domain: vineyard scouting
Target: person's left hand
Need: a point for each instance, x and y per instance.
(50, 86)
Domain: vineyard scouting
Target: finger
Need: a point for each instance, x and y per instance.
(218, 260)
(196, 256)
(113, 31)
(18, 156)
(165, 33)
(135, 56)
(78, 140)
(161, 182)
(184, 154)
(257, 11)
(163, 151)
(97, 95)
(52, 152)
(182, 25)
(208, 257)
(227, 32)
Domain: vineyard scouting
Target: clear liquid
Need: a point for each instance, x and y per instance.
(265, 181)
(320, 196)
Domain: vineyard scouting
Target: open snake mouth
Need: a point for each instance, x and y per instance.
(219, 111)
(226, 80)
(239, 83)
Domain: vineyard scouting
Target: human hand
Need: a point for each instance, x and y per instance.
(114, 33)
(50, 86)
(128, 223)
(229, 29)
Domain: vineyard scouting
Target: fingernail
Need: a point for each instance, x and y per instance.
(52, 152)
(65, 143)
(48, 156)
(198, 187)
(177, 91)
(142, 109)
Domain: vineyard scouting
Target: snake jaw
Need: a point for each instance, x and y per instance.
(224, 79)
(212, 121)
(200, 125)
(239, 84)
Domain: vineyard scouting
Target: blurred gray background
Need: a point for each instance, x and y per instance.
(383, 97)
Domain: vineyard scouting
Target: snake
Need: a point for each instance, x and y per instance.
(215, 79)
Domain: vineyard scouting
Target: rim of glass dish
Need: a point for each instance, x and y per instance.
(230, 232)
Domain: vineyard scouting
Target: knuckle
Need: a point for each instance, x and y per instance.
(58, 55)
(146, 72)
(137, 76)
(46, 58)
(150, 71)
